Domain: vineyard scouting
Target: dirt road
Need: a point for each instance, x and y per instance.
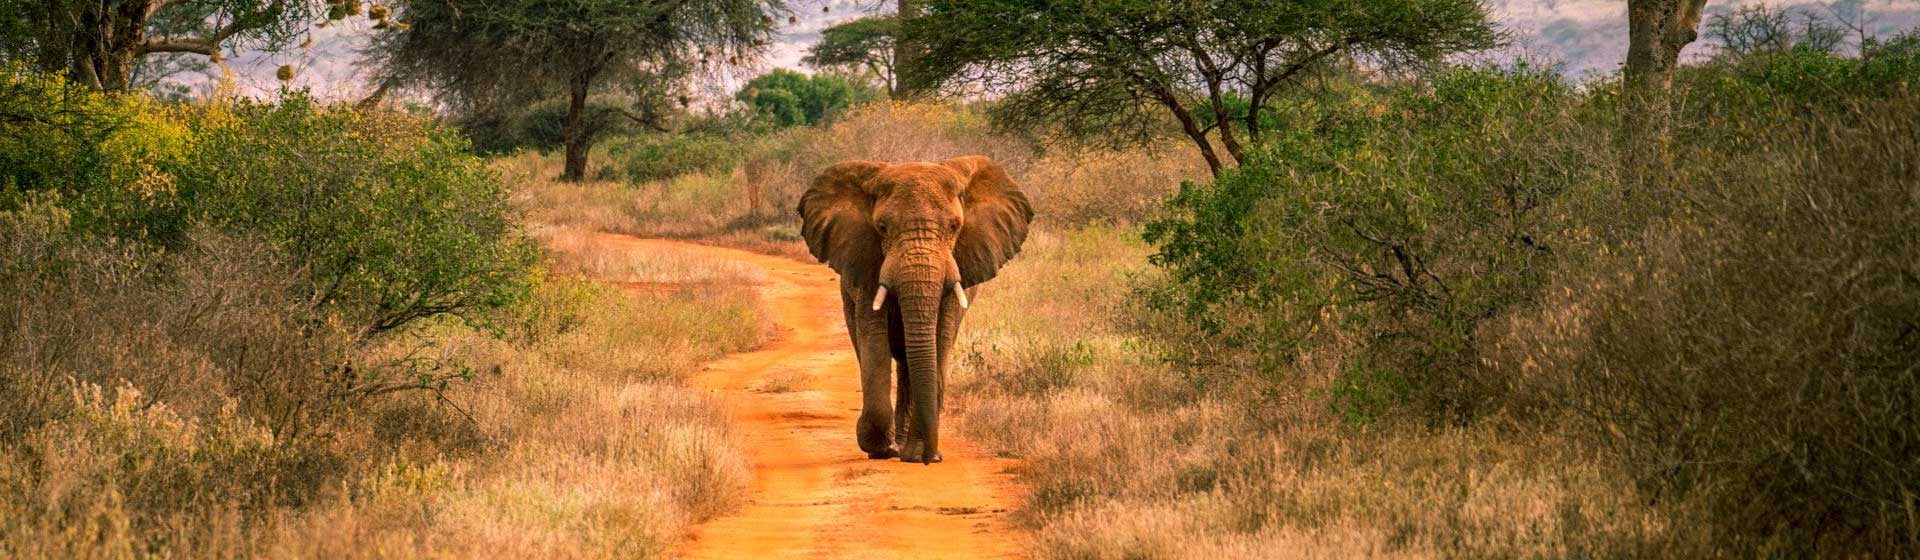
(815, 494)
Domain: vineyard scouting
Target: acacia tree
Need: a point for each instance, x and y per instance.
(101, 43)
(1102, 68)
(861, 45)
(1656, 32)
(485, 54)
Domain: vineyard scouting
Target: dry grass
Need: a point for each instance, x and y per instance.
(697, 207)
(584, 253)
(596, 451)
(1121, 187)
(783, 382)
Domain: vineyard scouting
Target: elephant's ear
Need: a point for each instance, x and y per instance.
(836, 218)
(995, 220)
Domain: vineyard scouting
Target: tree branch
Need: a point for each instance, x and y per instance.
(1213, 74)
(208, 45)
(1166, 97)
(646, 122)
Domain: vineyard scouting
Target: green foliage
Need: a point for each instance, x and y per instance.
(491, 53)
(390, 216)
(1400, 221)
(1740, 345)
(1236, 109)
(106, 158)
(789, 98)
(651, 158)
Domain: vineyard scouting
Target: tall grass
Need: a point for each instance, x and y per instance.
(591, 448)
(170, 409)
(696, 206)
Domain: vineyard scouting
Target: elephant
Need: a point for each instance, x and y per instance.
(925, 234)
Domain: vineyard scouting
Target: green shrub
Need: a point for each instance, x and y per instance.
(789, 98)
(1397, 227)
(391, 216)
(655, 158)
(109, 159)
(1757, 357)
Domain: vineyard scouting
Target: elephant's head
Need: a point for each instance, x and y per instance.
(920, 233)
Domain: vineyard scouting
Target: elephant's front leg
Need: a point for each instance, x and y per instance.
(868, 328)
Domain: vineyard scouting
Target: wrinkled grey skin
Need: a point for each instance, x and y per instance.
(927, 233)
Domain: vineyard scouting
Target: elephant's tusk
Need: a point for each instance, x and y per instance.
(962, 292)
(879, 298)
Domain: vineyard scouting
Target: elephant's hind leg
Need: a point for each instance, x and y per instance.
(903, 409)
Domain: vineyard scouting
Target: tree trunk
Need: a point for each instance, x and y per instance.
(1226, 130)
(579, 139)
(909, 78)
(106, 43)
(1656, 32)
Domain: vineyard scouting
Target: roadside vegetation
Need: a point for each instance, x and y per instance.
(296, 329)
(1437, 314)
(1434, 318)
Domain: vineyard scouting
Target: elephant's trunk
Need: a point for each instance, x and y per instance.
(920, 317)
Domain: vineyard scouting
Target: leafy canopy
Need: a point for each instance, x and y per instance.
(1102, 69)
(491, 52)
(106, 45)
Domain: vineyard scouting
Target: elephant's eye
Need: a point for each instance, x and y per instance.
(953, 224)
(882, 228)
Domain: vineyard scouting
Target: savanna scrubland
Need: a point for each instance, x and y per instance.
(1432, 314)
(1432, 318)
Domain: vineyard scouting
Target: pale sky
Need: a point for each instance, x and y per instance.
(1583, 36)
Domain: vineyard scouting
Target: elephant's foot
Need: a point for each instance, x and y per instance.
(916, 452)
(874, 439)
